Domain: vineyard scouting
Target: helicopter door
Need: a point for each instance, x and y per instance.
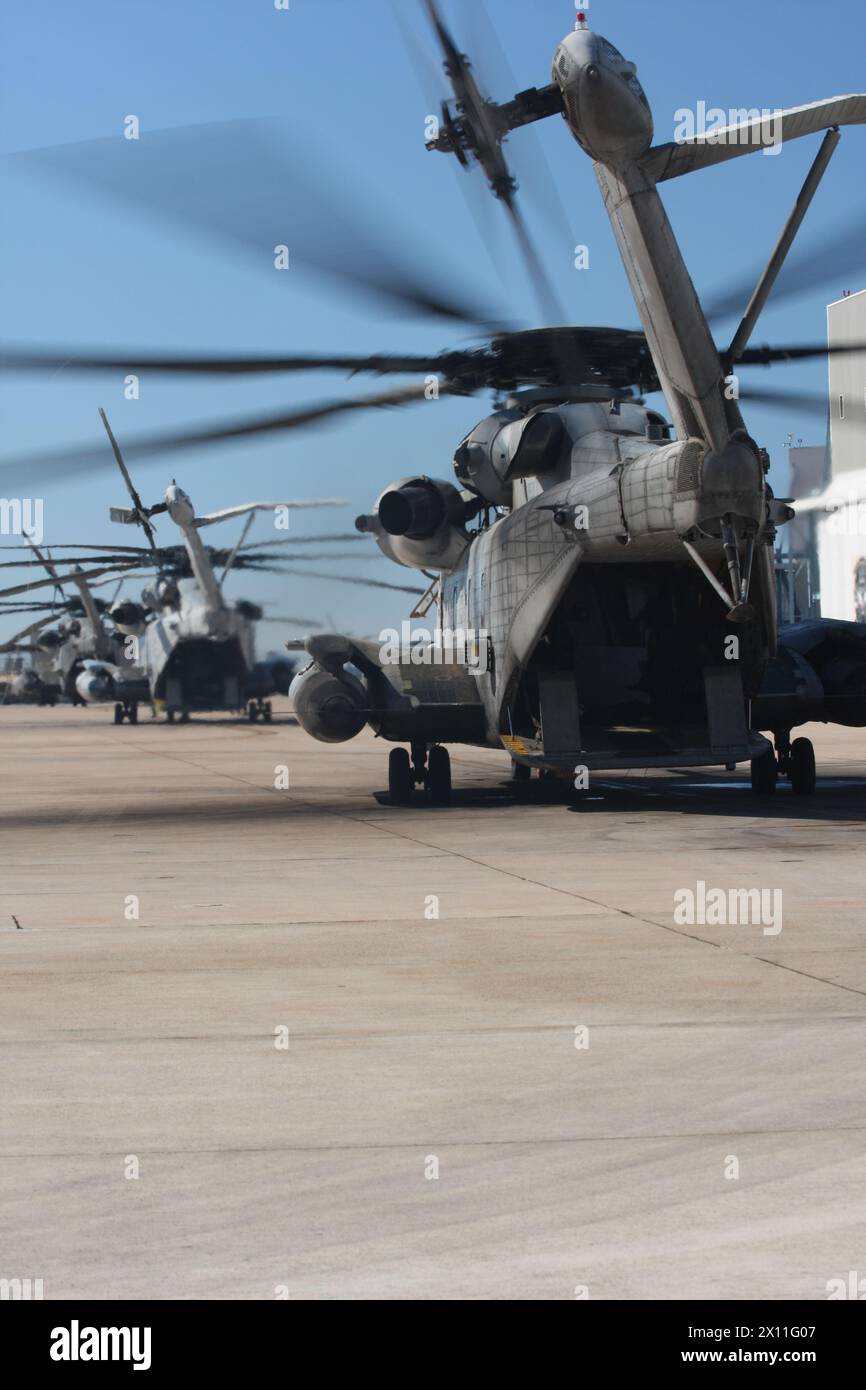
(560, 717)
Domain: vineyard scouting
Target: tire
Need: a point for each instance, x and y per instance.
(133, 714)
(801, 767)
(118, 714)
(520, 772)
(252, 714)
(439, 776)
(268, 712)
(400, 781)
(169, 714)
(765, 771)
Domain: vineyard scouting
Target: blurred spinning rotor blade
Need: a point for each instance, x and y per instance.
(807, 402)
(125, 550)
(357, 579)
(237, 182)
(429, 77)
(72, 462)
(477, 131)
(525, 152)
(33, 359)
(62, 579)
(292, 622)
(70, 560)
(305, 540)
(766, 356)
(831, 262)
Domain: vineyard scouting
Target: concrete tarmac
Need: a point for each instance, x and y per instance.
(259, 1040)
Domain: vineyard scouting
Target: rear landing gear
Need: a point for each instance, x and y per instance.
(765, 771)
(433, 772)
(401, 782)
(126, 709)
(439, 776)
(801, 767)
(794, 761)
(260, 709)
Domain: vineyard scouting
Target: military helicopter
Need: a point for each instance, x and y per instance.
(33, 683)
(81, 657)
(614, 600)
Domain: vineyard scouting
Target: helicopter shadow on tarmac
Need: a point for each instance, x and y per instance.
(837, 799)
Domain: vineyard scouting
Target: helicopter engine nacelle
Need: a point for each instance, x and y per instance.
(421, 522)
(95, 684)
(605, 105)
(128, 617)
(328, 707)
(507, 445)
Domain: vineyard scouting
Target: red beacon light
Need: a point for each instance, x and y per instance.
(581, 20)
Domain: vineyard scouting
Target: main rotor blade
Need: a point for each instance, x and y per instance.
(69, 560)
(544, 291)
(77, 360)
(306, 540)
(292, 622)
(72, 462)
(358, 579)
(792, 399)
(834, 261)
(765, 356)
(85, 545)
(237, 182)
(66, 578)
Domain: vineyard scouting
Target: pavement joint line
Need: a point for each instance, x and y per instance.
(371, 1035)
(529, 1142)
(509, 873)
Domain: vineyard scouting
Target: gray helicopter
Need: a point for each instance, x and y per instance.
(624, 596)
(196, 649)
(82, 655)
(603, 577)
(32, 676)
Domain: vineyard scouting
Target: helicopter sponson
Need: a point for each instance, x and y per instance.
(351, 683)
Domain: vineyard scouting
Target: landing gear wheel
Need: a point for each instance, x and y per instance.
(801, 767)
(439, 776)
(118, 714)
(252, 712)
(765, 770)
(401, 783)
(132, 714)
(184, 718)
(520, 772)
(169, 715)
(267, 711)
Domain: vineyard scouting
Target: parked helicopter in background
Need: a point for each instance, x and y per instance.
(79, 656)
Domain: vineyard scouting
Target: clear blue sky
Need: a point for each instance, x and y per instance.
(77, 270)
